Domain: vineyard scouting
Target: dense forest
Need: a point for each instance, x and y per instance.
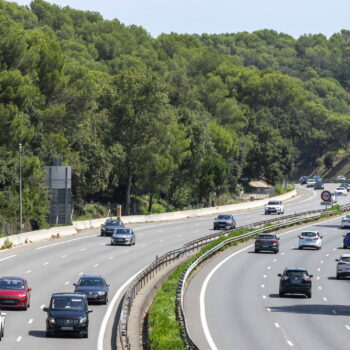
(177, 118)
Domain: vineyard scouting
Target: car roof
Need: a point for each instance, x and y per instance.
(91, 276)
(13, 277)
(68, 294)
(266, 234)
(309, 231)
(295, 269)
(345, 256)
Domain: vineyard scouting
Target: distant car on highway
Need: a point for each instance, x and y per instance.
(67, 313)
(224, 221)
(334, 197)
(343, 266)
(303, 180)
(123, 235)
(2, 323)
(346, 241)
(310, 239)
(295, 281)
(94, 287)
(109, 227)
(274, 207)
(14, 293)
(319, 185)
(341, 178)
(346, 185)
(310, 182)
(341, 191)
(345, 221)
(266, 242)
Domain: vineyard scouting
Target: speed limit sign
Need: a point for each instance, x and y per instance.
(326, 196)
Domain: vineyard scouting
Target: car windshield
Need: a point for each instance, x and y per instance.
(266, 237)
(345, 258)
(11, 283)
(224, 217)
(273, 203)
(309, 234)
(114, 222)
(123, 231)
(340, 188)
(293, 274)
(91, 282)
(347, 217)
(68, 303)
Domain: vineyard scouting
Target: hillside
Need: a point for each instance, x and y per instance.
(178, 118)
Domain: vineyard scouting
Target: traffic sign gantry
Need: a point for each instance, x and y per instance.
(326, 196)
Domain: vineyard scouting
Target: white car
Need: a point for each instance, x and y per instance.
(311, 183)
(274, 207)
(334, 198)
(341, 191)
(345, 221)
(341, 178)
(310, 239)
(343, 266)
(2, 323)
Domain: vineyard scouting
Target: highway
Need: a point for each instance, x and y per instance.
(233, 301)
(53, 266)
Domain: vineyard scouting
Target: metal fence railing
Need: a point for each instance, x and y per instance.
(143, 277)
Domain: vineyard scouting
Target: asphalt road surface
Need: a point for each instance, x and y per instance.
(53, 266)
(233, 301)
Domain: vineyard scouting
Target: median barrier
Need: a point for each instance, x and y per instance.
(61, 231)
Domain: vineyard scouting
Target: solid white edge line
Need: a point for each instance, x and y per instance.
(202, 298)
(8, 257)
(70, 240)
(101, 332)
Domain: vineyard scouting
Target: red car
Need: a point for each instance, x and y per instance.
(14, 293)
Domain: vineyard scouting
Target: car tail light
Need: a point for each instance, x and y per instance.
(315, 239)
(301, 237)
(342, 263)
(285, 278)
(274, 241)
(306, 278)
(258, 241)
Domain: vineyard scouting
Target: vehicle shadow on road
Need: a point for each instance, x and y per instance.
(314, 309)
(42, 334)
(291, 296)
(331, 226)
(344, 279)
(37, 334)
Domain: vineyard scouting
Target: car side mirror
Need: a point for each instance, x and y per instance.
(108, 285)
(89, 310)
(279, 275)
(278, 238)
(45, 309)
(344, 236)
(311, 276)
(74, 284)
(336, 260)
(29, 289)
(321, 236)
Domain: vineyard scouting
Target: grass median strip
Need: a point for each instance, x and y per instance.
(164, 328)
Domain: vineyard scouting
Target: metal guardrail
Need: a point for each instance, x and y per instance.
(143, 277)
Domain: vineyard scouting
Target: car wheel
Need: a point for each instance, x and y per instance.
(309, 295)
(281, 294)
(276, 251)
(338, 276)
(84, 334)
(256, 250)
(105, 301)
(49, 333)
(300, 248)
(102, 234)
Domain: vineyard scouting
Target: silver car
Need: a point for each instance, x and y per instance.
(345, 221)
(124, 236)
(310, 239)
(343, 266)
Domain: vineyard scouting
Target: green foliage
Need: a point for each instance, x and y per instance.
(7, 244)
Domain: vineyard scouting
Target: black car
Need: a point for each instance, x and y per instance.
(224, 221)
(319, 185)
(303, 180)
(295, 281)
(345, 185)
(109, 227)
(267, 242)
(124, 235)
(94, 287)
(67, 313)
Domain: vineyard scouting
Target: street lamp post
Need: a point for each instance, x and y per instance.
(20, 186)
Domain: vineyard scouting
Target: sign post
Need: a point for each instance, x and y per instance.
(326, 196)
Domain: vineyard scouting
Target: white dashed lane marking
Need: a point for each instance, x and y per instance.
(318, 269)
(19, 339)
(290, 343)
(8, 257)
(95, 265)
(42, 306)
(274, 260)
(318, 277)
(277, 325)
(319, 287)
(282, 253)
(269, 267)
(111, 257)
(31, 321)
(66, 283)
(325, 299)
(64, 256)
(83, 250)
(268, 309)
(80, 273)
(262, 286)
(347, 327)
(264, 296)
(46, 263)
(264, 276)
(29, 271)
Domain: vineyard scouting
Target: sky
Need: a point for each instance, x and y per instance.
(294, 17)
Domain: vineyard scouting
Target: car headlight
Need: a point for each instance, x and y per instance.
(101, 293)
(52, 320)
(22, 296)
(83, 320)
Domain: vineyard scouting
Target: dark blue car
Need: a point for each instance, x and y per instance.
(94, 287)
(346, 240)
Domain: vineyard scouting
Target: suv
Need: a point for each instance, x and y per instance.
(224, 221)
(310, 239)
(319, 185)
(267, 241)
(343, 266)
(346, 241)
(303, 180)
(274, 207)
(109, 227)
(67, 313)
(94, 287)
(296, 281)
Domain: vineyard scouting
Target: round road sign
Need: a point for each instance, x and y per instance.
(326, 196)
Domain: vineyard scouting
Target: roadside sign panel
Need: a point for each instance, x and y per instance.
(326, 196)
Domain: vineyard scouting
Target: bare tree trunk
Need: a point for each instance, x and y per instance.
(128, 195)
(150, 204)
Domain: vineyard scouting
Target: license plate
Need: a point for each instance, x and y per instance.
(8, 301)
(66, 328)
(265, 246)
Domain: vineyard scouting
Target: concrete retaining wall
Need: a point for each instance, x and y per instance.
(62, 231)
